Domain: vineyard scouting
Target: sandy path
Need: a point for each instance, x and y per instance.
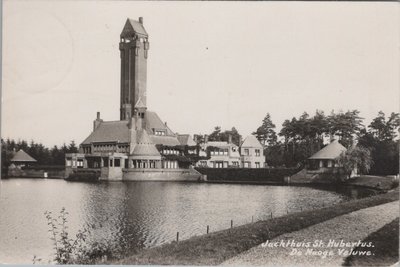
(352, 227)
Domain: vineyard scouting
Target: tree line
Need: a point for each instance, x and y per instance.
(43, 155)
(303, 136)
(300, 137)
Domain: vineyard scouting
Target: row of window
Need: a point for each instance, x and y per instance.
(168, 164)
(87, 150)
(219, 152)
(128, 40)
(170, 152)
(74, 163)
(106, 148)
(246, 152)
(159, 132)
(224, 164)
(144, 164)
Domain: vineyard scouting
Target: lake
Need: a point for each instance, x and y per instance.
(138, 214)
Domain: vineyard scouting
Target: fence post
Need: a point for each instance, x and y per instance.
(177, 236)
(252, 219)
(271, 214)
(208, 229)
(231, 223)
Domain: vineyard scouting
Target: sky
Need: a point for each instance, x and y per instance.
(210, 63)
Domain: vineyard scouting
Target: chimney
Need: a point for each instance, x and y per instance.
(229, 138)
(141, 20)
(165, 123)
(206, 138)
(97, 121)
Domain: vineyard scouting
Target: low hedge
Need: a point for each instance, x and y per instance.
(247, 174)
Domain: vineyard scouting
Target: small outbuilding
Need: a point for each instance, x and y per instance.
(326, 157)
(21, 159)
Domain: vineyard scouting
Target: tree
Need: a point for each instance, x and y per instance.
(72, 148)
(218, 135)
(266, 133)
(381, 140)
(346, 126)
(355, 158)
(199, 138)
(385, 130)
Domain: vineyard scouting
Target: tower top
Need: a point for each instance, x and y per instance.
(133, 27)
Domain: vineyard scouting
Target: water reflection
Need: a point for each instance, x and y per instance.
(138, 214)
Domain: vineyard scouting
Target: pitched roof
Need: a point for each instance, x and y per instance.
(186, 140)
(145, 147)
(165, 140)
(139, 103)
(251, 141)
(217, 143)
(118, 131)
(331, 151)
(133, 27)
(110, 131)
(153, 121)
(22, 156)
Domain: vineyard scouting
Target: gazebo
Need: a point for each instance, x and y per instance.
(21, 159)
(325, 158)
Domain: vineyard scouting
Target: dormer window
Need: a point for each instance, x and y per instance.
(159, 132)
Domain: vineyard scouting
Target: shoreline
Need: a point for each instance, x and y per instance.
(216, 247)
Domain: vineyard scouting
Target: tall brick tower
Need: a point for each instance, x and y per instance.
(134, 46)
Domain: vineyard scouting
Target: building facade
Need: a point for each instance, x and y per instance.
(252, 153)
(139, 146)
(225, 154)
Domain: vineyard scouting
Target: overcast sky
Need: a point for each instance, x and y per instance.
(210, 63)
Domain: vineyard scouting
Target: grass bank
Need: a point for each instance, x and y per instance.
(375, 182)
(214, 248)
(386, 247)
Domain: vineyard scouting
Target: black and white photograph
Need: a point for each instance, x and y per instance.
(233, 133)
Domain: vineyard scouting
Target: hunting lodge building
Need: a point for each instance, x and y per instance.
(140, 146)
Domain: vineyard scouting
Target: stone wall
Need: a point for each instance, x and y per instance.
(161, 175)
(111, 174)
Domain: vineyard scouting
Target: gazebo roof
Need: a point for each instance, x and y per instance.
(145, 146)
(22, 156)
(331, 151)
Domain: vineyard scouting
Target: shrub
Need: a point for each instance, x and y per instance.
(78, 250)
